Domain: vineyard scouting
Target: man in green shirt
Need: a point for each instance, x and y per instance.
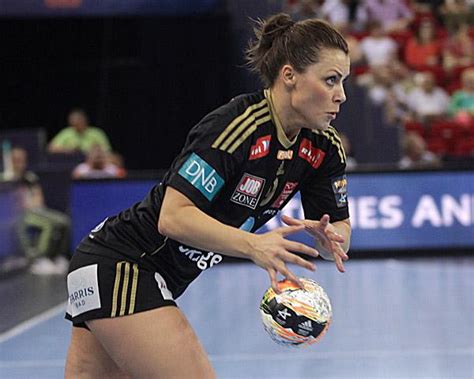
(79, 136)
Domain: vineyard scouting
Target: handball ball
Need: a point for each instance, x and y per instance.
(296, 316)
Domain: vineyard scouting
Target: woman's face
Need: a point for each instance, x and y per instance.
(318, 92)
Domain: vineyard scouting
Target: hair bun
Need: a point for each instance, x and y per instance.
(275, 27)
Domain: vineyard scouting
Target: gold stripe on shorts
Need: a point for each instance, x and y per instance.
(120, 292)
(133, 292)
(118, 272)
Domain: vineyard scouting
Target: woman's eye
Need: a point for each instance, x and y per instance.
(331, 80)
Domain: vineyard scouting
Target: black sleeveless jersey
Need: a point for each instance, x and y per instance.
(239, 167)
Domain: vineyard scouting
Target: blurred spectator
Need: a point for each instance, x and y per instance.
(336, 12)
(455, 12)
(79, 136)
(427, 101)
(423, 49)
(458, 50)
(355, 52)
(303, 9)
(378, 48)
(415, 154)
(43, 232)
(97, 166)
(393, 15)
(461, 106)
(351, 162)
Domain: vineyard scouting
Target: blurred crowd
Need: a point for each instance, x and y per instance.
(416, 59)
(83, 152)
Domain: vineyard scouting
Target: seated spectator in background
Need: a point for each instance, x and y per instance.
(97, 166)
(393, 15)
(415, 154)
(427, 101)
(79, 136)
(303, 9)
(378, 48)
(355, 51)
(351, 162)
(336, 12)
(423, 49)
(455, 12)
(43, 233)
(461, 107)
(458, 49)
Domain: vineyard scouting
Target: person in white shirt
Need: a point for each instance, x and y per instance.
(427, 101)
(378, 48)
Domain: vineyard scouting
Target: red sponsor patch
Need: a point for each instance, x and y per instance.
(261, 148)
(287, 191)
(312, 155)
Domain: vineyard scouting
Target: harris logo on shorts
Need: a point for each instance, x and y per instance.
(83, 290)
(312, 155)
(261, 148)
(248, 191)
(202, 176)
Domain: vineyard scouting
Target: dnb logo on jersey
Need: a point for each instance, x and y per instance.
(312, 155)
(248, 191)
(202, 176)
(261, 148)
(339, 187)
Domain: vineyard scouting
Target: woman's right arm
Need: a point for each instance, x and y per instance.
(181, 220)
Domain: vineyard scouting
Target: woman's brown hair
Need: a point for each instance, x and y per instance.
(280, 40)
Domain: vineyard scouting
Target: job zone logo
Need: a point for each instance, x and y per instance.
(339, 187)
(248, 191)
(312, 155)
(261, 148)
(202, 176)
(288, 189)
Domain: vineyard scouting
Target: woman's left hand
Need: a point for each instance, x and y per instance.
(328, 238)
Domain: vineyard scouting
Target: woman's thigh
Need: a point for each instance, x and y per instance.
(87, 359)
(156, 343)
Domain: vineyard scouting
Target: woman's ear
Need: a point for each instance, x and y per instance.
(288, 76)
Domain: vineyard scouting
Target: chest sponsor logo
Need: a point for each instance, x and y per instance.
(312, 155)
(284, 154)
(248, 191)
(83, 290)
(339, 187)
(261, 148)
(204, 260)
(288, 189)
(202, 176)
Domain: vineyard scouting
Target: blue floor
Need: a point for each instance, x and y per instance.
(392, 319)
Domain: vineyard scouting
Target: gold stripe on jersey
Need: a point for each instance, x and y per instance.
(245, 125)
(332, 135)
(340, 147)
(118, 274)
(236, 121)
(126, 278)
(133, 292)
(248, 132)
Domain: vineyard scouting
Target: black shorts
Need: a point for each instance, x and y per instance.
(110, 285)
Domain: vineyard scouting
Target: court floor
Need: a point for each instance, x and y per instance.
(392, 319)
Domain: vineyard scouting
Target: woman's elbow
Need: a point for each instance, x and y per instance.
(164, 224)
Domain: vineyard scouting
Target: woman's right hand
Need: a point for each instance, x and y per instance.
(272, 251)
